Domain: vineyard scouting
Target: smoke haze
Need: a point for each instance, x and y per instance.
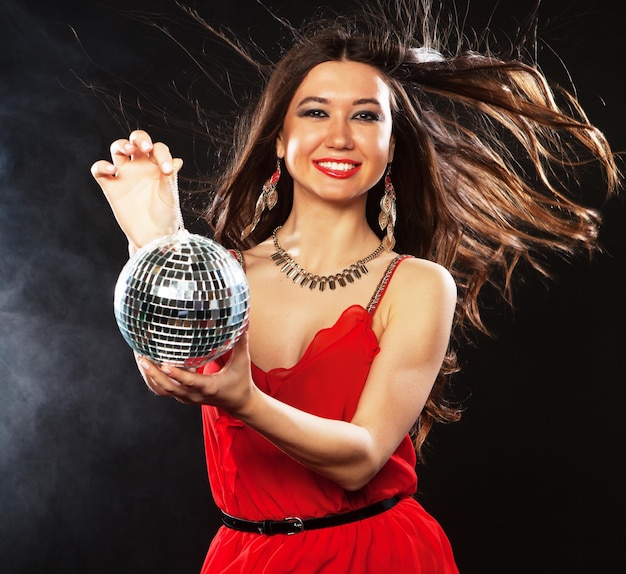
(98, 475)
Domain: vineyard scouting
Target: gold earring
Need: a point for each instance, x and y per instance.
(387, 215)
(266, 200)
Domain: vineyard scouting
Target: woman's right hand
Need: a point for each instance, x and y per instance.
(137, 187)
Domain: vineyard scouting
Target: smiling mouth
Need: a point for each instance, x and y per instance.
(338, 169)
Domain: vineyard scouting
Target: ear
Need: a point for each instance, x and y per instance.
(280, 147)
(392, 148)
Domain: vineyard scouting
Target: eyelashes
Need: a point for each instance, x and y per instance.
(365, 116)
(312, 114)
(368, 116)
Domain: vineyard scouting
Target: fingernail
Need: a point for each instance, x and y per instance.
(167, 166)
(166, 369)
(145, 146)
(144, 364)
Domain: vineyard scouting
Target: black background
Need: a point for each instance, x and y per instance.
(98, 475)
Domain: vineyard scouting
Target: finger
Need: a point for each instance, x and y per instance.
(155, 388)
(141, 140)
(163, 158)
(103, 168)
(122, 151)
(169, 167)
(159, 377)
(153, 385)
(184, 377)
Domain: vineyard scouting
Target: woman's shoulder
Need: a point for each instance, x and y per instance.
(415, 271)
(419, 293)
(417, 281)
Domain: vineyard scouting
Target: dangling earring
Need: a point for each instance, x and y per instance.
(267, 199)
(387, 215)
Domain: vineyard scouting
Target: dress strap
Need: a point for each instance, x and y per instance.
(382, 285)
(239, 256)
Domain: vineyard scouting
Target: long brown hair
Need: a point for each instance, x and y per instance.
(487, 163)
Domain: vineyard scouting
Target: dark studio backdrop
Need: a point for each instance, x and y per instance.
(98, 475)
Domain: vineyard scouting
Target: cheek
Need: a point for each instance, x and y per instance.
(388, 146)
(299, 147)
(373, 142)
(381, 148)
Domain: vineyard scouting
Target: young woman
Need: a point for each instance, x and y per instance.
(369, 197)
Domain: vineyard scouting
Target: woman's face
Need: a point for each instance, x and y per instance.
(336, 137)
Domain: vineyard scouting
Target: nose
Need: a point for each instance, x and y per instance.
(339, 135)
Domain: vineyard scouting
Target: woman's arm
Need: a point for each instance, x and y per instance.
(417, 313)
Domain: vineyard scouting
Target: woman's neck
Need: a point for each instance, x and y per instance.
(323, 244)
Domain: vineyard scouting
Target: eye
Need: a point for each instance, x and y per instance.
(367, 116)
(313, 113)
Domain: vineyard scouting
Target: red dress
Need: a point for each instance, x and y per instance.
(252, 479)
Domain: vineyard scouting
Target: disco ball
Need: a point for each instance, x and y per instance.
(183, 299)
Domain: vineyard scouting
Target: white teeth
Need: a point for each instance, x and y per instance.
(336, 166)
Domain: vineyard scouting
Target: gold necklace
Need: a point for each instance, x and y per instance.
(299, 275)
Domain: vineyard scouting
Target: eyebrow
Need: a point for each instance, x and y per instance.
(318, 100)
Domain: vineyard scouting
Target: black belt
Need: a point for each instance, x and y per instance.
(295, 524)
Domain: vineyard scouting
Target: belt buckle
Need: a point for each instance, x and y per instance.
(297, 523)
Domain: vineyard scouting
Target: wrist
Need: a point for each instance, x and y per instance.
(136, 242)
(250, 405)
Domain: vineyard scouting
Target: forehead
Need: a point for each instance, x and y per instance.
(344, 81)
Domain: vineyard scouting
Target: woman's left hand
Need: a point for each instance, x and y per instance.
(230, 388)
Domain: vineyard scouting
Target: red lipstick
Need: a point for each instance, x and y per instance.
(337, 168)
